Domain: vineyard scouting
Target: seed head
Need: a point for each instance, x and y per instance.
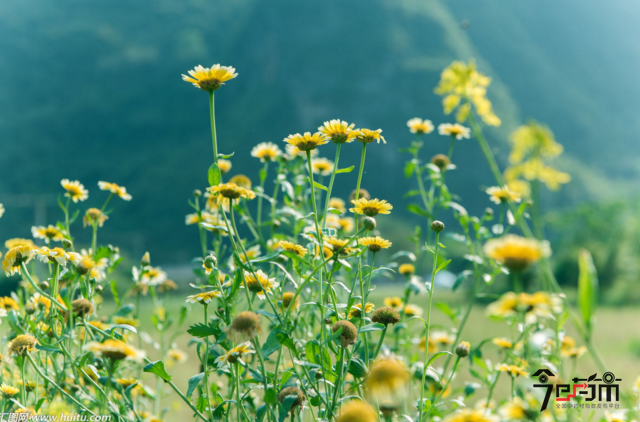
(437, 226)
(386, 316)
(349, 332)
(246, 323)
(290, 391)
(82, 307)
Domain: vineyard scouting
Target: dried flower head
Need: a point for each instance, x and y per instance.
(386, 316)
(441, 161)
(349, 332)
(94, 216)
(22, 344)
(82, 307)
(292, 391)
(246, 323)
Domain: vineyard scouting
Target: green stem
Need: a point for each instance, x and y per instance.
(451, 145)
(213, 128)
(205, 362)
(263, 178)
(333, 176)
(380, 342)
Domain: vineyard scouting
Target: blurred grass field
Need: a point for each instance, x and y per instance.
(616, 337)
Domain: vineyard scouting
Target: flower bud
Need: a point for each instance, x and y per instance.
(146, 260)
(369, 223)
(67, 244)
(488, 213)
(197, 193)
(44, 285)
(463, 349)
(386, 316)
(437, 226)
(319, 375)
(210, 261)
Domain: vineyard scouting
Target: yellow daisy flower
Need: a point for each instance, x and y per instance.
(16, 256)
(8, 391)
(515, 252)
(454, 130)
(513, 370)
(231, 191)
(419, 126)
(502, 194)
(367, 136)
(210, 79)
(15, 242)
(322, 166)
(224, 165)
(299, 250)
(153, 276)
(394, 302)
(114, 350)
(75, 190)
(233, 355)
(375, 244)
(115, 189)
(356, 411)
(259, 283)
(50, 233)
(370, 207)
(8, 303)
(306, 142)
(470, 415)
(57, 255)
(406, 269)
(502, 342)
(433, 348)
(266, 151)
(347, 224)
(338, 204)
(336, 243)
(177, 355)
(338, 131)
(293, 152)
(356, 310)
(203, 298)
(387, 376)
(412, 310)
(92, 216)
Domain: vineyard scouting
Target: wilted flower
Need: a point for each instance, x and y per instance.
(370, 207)
(82, 307)
(292, 391)
(246, 323)
(22, 344)
(75, 190)
(115, 350)
(266, 151)
(210, 79)
(348, 334)
(419, 126)
(515, 252)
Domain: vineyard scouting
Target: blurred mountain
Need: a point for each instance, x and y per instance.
(92, 91)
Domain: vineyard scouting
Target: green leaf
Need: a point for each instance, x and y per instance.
(114, 292)
(285, 340)
(587, 288)
(347, 170)
(202, 330)
(270, 396)
(357, 368)
(416, 209)
(319, 186)
(270, 345)
(226, 156)
(436, 356)
(214, 175)
(461, 277)
(408, 169)
(443, 265)
(286, 406)
(372, 327)
(193, 383)
(312, 352)
(157, 368)
(426, 405)
(262, 410)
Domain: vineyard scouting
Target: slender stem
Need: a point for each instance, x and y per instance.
(364, 152)
(205, 361)
(380, 342)
(451, 145)
(213, 127)
(263, 178)
(38, 289)
(426, 347)
(340, 368)
(333, 176)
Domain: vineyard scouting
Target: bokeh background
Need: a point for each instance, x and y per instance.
(92, 91)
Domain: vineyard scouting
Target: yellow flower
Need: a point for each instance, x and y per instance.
(338, 131)
(252, 252)
(40, 302)
(433, 348)
(519, 187)
(231, 191)
(386, 377)
(322, 166)
(259, 283)
(114, 350)
(15, 242)
(115, 189)
(75, 190)
(337, 244)
(614, 417)
(177, 355)
(50, 232)
(412, 310)
(356, 411)
(92, 216)
(338, 204)
(57, 255)
(461, 81)
(8, 303)
(293, 152)
(515, 252)
(536, 169)
(513, 370)
(568, 348)
(516, 409)
(533, 138)
(356, 310)
(454, 130)
(375, 244)
(347, 224)
(535, 306)
(203, 298)
(442, 338)
(393, 302)
(470, 415)
(8, 391)
(287, 297)
(367, 136)
(306, 142)
(406, 269)
(22, 344)
(419, 126)
(153, 276)
(502, 194)
(125, 320)
(234, 354)
(502, 342)
(224, 165)
(16, 256)
(371, 207)
(299, 250)
(210, 79)
(266, 151)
